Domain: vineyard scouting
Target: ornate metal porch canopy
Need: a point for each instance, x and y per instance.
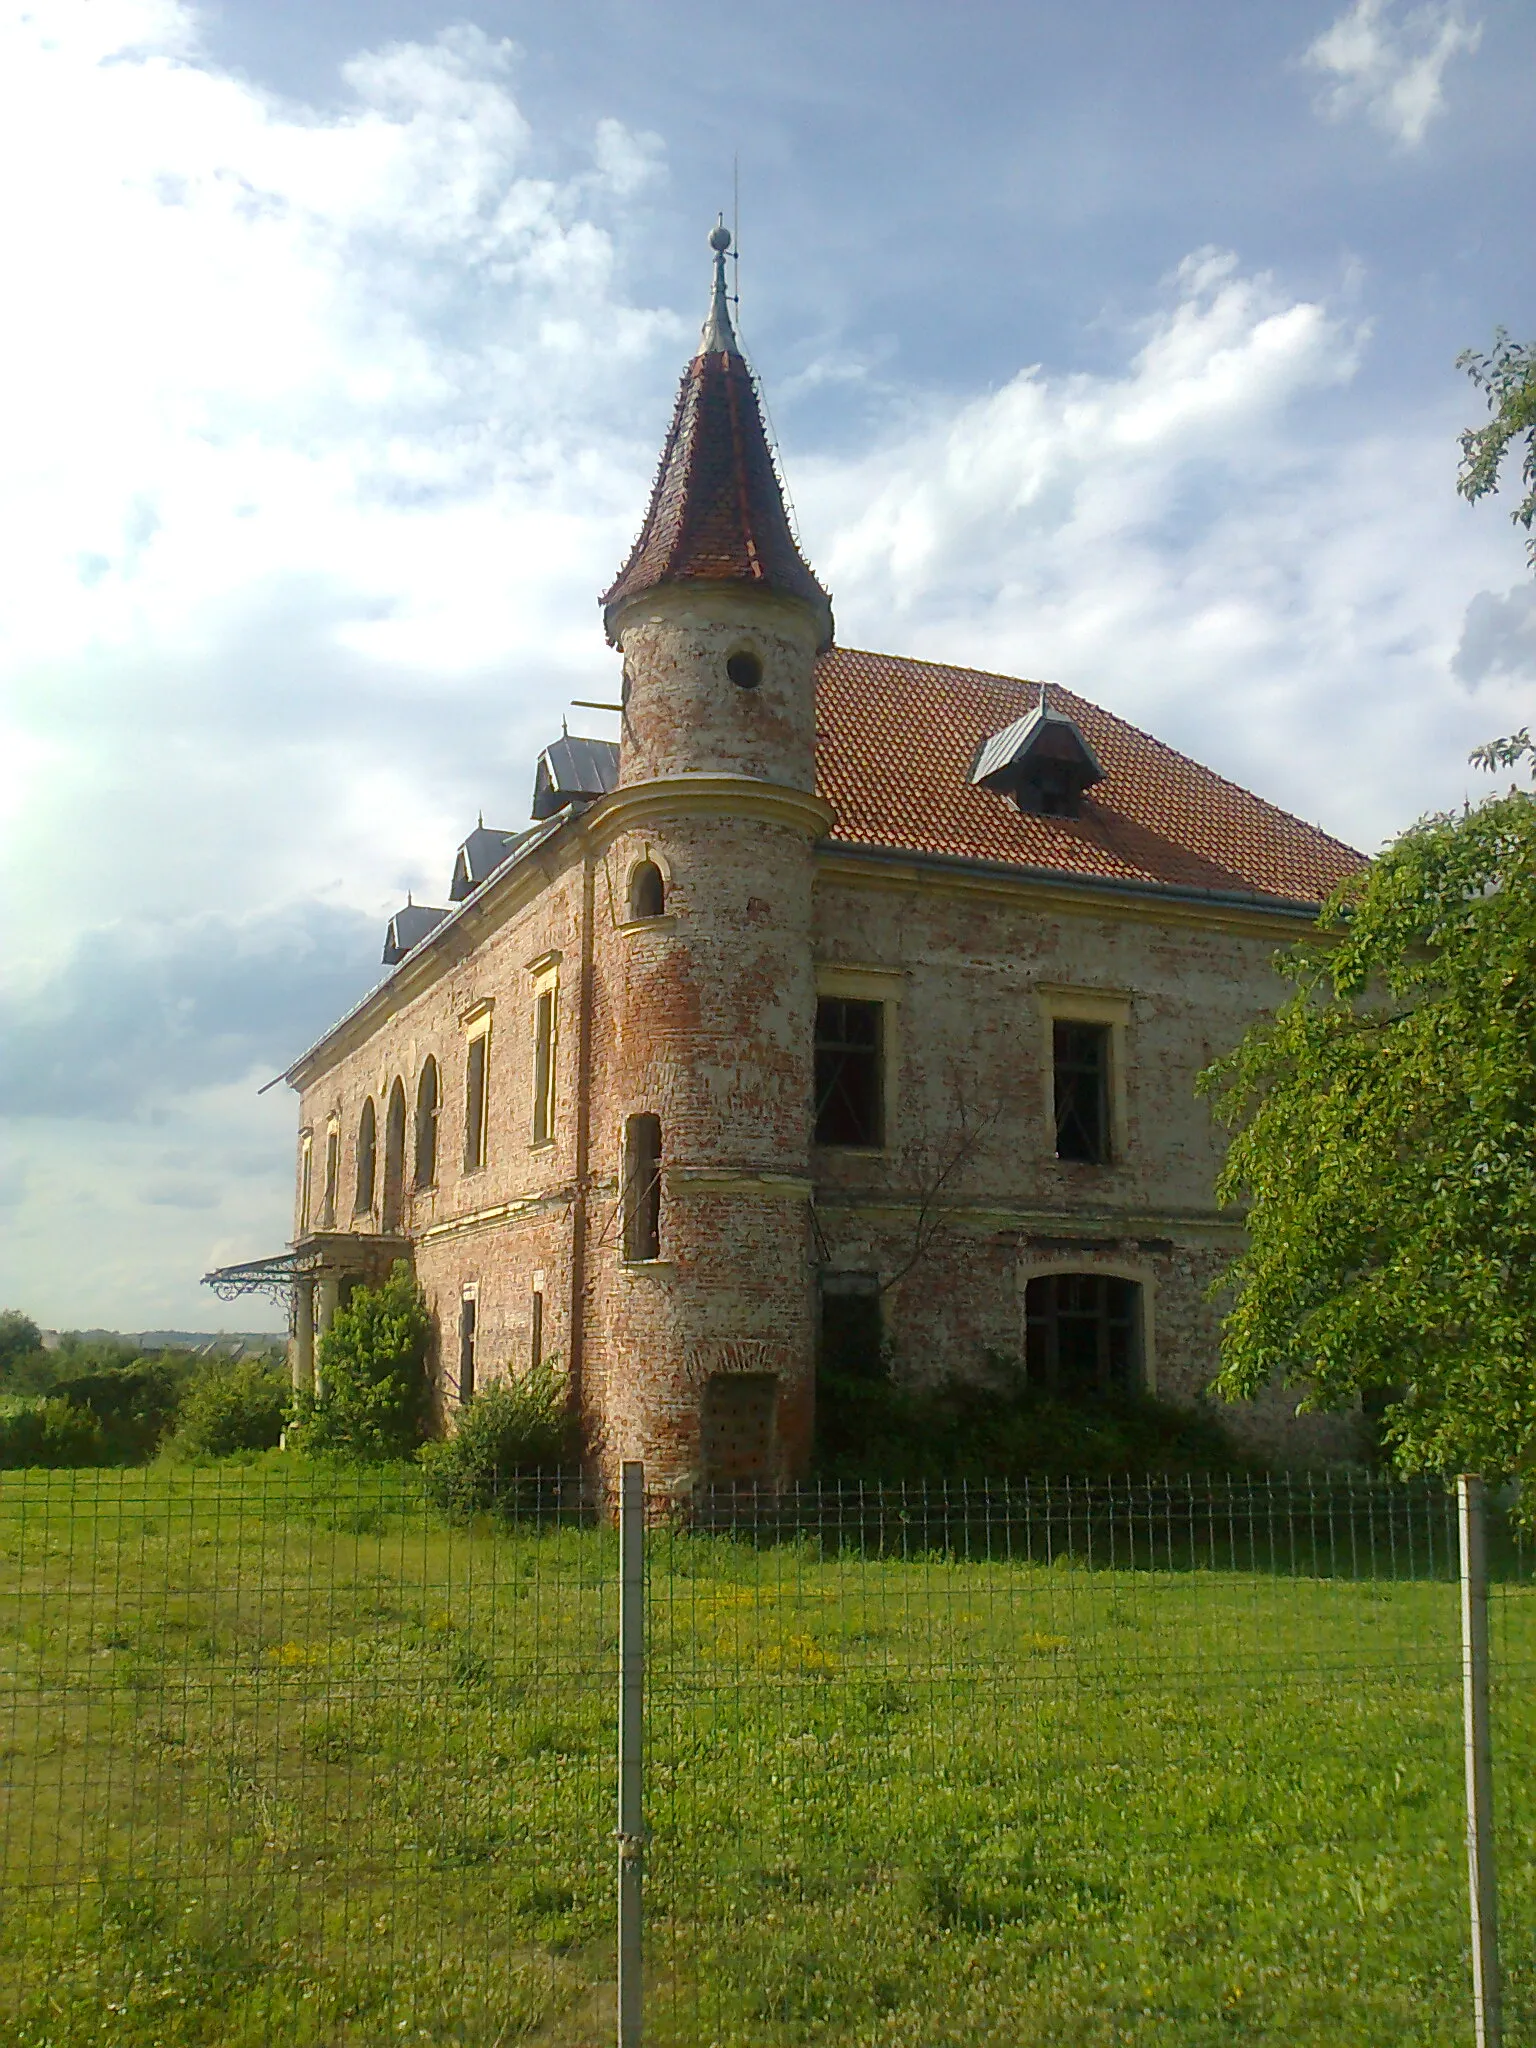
(323, 1255)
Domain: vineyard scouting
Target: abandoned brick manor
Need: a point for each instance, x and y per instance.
(843, 991)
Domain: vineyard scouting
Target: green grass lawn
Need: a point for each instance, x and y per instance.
(286, 1759)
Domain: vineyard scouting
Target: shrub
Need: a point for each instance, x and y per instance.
(514, 1426)
(1001, 1427)
(53, 1435)
(372, 1369)
(135, 1404)
(229, 1407)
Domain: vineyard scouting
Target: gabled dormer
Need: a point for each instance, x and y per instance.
(1042, 761)
(407, 929)
(483, 852)
(574, 771)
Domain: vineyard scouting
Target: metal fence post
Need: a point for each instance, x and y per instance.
(1486, 1998)
(631, 1752)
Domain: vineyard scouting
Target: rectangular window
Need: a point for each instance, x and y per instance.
(1080, 1059)
(544, 1066)
(475, 1101)
(306, 1157)
(850, 1081)
(642, 1188)
(468, 1311)
(536, 1331)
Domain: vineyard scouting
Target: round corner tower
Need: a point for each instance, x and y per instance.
(707, 1294)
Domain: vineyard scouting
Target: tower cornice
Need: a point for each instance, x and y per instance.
(681, 796)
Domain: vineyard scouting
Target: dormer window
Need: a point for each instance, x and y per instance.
(1042, 761)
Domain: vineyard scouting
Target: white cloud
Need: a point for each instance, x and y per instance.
(1392, 70)
(323, 430)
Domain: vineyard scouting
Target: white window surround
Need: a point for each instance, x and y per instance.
(546, 982)
(1113, 1268)
(1060, 1003)
(886, 986)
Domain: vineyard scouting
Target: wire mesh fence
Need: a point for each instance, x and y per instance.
(290, 1758)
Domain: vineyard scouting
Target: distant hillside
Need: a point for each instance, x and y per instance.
(229, 1343)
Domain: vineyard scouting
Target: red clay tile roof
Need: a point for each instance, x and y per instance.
(895, 742)
(717, 512)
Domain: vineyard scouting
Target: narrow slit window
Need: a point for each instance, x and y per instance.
(468, 1313)
(544, 1067)
(536, 1331)
(475, 1101)
(426, 1125)
(1080, 1057)
(306, 1168)
(367, 1158)
(642, 1188)
(850, 1082)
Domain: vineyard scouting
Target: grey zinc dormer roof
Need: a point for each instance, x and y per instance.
(407, 928)
(1040, 732)
(482, 853)
(574, 771)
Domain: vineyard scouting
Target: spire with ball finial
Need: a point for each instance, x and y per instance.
(717, 514)
(719, 336)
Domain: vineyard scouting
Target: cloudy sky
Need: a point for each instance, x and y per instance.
(1105, 343)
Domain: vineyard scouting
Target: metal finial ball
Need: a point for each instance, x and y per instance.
(720, 239)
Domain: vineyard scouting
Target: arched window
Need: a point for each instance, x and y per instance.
(1083, 1334)
(332, 1174)
(647, 890)
(642, 1188)
(394, 1156)
(367, 1158)
(426, 1125)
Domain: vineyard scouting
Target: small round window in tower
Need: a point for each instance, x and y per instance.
(745, 669)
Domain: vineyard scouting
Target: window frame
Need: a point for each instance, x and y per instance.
(306, 1178)
(477, 1114)
(468, 1330)
(423, 1183)
(1142, 1277)
(544, 1072)
(367, 1123)
(883, 986)
(330, 1194)
(1060, 1004)
(640, 1217)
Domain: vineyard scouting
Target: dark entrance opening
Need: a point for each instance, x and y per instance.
(737, 1429)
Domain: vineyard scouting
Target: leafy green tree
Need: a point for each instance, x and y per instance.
(372, 1366)
(21, 1341)
(231, 1406)
(1507, 377)
(1385, 1144)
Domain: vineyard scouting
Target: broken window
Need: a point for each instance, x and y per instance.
(367, 1158)
(647, 891)
(1083, 1334)
(426, 1125)
(642, 1188)
(394, 1156)
(544, 1066)
(1080, 1055)
(468, 1313)
(850, 1108)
